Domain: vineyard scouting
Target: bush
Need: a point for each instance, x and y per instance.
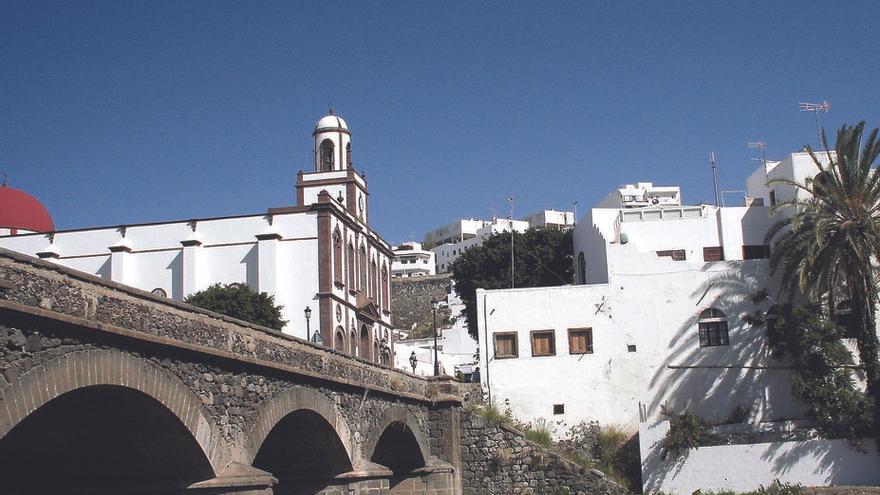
(239, 301)
(686, 432)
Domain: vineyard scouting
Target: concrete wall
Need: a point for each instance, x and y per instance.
(743, 468)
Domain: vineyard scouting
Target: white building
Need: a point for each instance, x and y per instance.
(656, 317)
(320, 254)
(642, 194)
(551, 219)
(410, 260)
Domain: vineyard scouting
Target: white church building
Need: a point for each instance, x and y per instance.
(321, 254)
(656, 315)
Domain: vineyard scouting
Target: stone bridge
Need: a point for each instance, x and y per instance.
(109, 389)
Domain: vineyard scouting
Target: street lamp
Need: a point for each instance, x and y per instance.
(434, 304)
(413, 360)
(315, 338)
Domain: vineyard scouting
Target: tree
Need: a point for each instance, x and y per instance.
(827, 247)
(239, 301)
(542, 257)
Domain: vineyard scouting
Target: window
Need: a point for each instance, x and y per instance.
(631, 348)
(337, 256)
(348, 155)
(543, 343)
(772, 198)
(506, 345)
(713, 328)
(582, 268)
(713, 253)
(350, 256)
(558, 408)
(326, 155)
(756, 252)
(580, 340)
(675, 254)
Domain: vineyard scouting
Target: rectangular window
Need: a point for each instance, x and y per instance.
(756, 252)
(558, 408)
(713, 253)
(580, 340)
(506, 345)
(543, 343)
(631, 348)
(675, 254)
(772, 198)
(713, 333)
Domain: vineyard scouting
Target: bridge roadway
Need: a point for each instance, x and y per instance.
(109, 389)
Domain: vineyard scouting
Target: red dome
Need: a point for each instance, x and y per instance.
(20, 210)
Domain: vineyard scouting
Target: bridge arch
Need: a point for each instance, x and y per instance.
(75, 413)
(303, 440)
(398, 440)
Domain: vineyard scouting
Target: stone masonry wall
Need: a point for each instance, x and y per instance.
(497, 460)
(411, 300)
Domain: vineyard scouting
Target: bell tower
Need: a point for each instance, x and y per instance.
(333, 169)
(332, 150)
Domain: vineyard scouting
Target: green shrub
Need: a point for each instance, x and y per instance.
(539, 433)
(686, 432)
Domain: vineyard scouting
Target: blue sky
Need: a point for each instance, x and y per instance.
(126, 112)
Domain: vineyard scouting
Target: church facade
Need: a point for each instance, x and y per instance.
(320, 254)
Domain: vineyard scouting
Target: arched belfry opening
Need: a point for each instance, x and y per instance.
(326, 156)
(100, 440)
(305, 453)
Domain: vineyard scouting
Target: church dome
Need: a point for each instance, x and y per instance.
(331, 121)
(20, 210)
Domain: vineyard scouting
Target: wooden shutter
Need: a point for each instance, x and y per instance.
(713, 253)
(505, 345)
(543, 343)
(675, 254)
(580, 340)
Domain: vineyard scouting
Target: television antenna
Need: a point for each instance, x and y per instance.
(714, 175)
(510, 218)
(816, 108)
(759, 145)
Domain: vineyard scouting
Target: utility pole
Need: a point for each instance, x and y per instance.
(510, 200)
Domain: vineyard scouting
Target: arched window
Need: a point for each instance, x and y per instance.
(364, 344)
(385, 301)
(820, 183)
(348, 155)
(339, 341)
(713, 328)
(326, 155)
(362, 269)
(337, 256)
(352, 343)
(375, 352)
(374, 281)
(582, 268)
(350, 266)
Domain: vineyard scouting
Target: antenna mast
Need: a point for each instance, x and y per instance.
(760, 145)
(714, 175)
(510, 218)
(816, 108)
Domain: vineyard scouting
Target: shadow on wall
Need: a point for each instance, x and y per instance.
(712, 380)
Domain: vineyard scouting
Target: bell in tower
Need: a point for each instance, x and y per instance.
(332, 144)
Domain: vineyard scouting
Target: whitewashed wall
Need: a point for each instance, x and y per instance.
(743, 468)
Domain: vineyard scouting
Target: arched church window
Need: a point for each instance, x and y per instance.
(339, 341)
(326, 155)
(364, 344)
(713, 328)
(348, 155)
(362, 269)
(350, 256)
(582, 268)
(374, 281)
(385, 302)
(337, 256)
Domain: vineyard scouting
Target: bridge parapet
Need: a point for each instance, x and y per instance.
(33, 286)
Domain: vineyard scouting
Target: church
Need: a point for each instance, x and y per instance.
(320, 259)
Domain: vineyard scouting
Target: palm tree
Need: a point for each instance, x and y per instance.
(828, 245)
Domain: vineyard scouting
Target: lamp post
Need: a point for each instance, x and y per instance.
(413, 360)
(434, 304)
(308, 313)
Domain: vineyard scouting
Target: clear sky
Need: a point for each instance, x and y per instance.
(125, 112)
